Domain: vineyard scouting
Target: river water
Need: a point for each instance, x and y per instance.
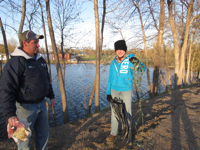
(79, 79)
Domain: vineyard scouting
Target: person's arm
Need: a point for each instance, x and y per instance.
(109, 81)
(51, 93)
(9, 85)
(108, 93)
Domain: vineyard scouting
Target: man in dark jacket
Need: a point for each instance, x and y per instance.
(24, 84)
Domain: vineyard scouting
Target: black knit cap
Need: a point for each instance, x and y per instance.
(121, 44)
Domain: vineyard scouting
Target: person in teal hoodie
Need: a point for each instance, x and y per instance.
(120, 82)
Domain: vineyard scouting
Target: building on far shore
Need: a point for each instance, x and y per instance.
(68, 57)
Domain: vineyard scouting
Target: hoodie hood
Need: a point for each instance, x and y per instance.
(131, 55)
(19, 52)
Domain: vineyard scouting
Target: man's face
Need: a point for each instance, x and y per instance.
(32, 47)
(120, 53)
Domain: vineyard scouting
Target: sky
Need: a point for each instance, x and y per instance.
(87, 36)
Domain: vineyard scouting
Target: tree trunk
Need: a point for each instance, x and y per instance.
(159, 52)
(145, 48)
(63, 56)
(185, 42)
(60, 79)
(176, 47)
(180, 61)
(102, 25)
(167, 67)
(154, 90)
(4, 40)
(189, 60)
(45, 39)
(22, 17)
(101, 45)
(97, 107)
(91, 97)
(191, 72)
(48, 61)
(164, 82)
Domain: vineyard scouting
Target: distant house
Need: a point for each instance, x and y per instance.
(66, 56)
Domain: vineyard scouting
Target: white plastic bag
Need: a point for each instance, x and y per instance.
(21, 132)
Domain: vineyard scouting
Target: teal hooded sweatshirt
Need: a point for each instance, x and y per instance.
(121, 75)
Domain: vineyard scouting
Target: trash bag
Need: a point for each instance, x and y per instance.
(20, 132)
(120, 110)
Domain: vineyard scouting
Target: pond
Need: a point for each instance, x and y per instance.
(79, 79)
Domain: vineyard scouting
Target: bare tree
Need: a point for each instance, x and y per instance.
(180, 52)
(189, 59)
(22, 17)
(145, 45)
(47, 51)
(67, 13)
(102, 25)
(60, 79)
(159, 51)
(97, 78)
(4, 39)
(101, 45)
(91, 97)
(45, 39)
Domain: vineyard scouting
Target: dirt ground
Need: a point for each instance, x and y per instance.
(170, 122)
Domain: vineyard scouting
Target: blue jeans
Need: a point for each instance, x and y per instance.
(126, 97)
(38, 116)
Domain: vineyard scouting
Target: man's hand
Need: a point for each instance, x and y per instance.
(12, 120)
(109, 98)
(53, 102)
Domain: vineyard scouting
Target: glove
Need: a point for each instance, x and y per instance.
(109, 97)
(134, 61)
(137, 65)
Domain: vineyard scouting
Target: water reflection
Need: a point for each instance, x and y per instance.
(79, 79)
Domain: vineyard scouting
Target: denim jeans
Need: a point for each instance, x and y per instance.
(38, 116)
(126, 97)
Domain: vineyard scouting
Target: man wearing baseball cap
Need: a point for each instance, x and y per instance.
(24, 84)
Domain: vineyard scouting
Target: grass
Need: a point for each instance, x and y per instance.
(86, 58)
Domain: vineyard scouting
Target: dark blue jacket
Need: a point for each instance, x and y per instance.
(25, 80)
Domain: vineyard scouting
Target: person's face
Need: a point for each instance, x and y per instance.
(32, 47)
(120, 53)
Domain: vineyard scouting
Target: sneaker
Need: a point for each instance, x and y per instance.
(110, 138)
